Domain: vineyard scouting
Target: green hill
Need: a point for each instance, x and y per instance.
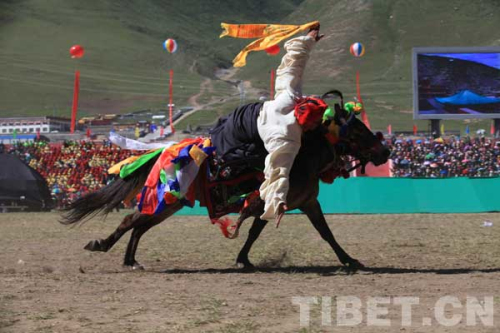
(389, 29)
(126, 69)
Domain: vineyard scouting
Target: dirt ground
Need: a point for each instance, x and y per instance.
(48, 283)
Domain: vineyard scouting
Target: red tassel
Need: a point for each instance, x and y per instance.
(224, 224)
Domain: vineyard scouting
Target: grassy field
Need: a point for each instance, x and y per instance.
(126, 69)
(48, 283)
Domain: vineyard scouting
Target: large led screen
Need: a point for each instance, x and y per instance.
(456, 83)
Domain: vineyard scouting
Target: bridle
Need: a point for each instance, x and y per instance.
(339, 147)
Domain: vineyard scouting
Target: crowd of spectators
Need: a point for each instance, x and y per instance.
(452, 157)
(72, 168)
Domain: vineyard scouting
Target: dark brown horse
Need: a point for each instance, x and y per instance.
(317, 156)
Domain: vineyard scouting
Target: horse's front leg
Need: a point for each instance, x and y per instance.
(254, 208)
(315, 215)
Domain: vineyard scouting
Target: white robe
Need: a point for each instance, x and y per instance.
(278, 127)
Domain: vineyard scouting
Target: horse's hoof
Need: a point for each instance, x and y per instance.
(137, 267)
(134, 267)
(95, 245)
(353, 264)
(245, 266)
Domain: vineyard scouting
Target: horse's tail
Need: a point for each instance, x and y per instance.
(104, 200)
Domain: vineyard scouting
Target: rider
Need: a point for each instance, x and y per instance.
(278, 126)
(273, 127)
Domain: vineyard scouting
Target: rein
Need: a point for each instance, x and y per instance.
(360, 164)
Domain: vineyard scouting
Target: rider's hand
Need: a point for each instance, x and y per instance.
(282, 208)
(314, 33)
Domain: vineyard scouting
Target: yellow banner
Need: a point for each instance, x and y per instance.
(267, 34)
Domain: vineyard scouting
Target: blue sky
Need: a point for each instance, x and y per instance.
(488, 59)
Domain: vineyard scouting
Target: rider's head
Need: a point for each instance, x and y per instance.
(309, 112)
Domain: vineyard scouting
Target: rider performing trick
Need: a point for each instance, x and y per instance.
(279, 127)
(274, 127)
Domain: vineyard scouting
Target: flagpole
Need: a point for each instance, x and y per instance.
(271, 91)
(170, 106)
(76, 92)
(364, 117)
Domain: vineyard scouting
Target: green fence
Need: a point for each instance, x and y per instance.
(365, 195)
(402, 195)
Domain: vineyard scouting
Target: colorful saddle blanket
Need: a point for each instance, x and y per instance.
(180, 168)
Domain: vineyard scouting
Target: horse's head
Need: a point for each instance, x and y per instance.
(352, 137)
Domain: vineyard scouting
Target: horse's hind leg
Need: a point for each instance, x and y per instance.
(315, 215)
(133, 243)
(104, 245)
(254, 233)
(146, 223)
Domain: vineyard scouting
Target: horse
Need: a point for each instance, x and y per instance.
(319, 155)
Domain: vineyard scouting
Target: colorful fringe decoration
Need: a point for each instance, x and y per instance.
(129, 165)
(172, 176)
(126, 143)
(115, 169)
(267, 34)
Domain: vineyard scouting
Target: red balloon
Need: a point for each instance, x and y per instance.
(76, 51)
(273, 50)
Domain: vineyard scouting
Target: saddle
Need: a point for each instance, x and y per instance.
(235, 169)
